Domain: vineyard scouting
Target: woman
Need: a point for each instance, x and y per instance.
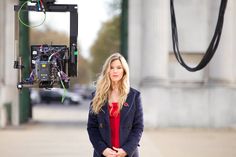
(115, 121)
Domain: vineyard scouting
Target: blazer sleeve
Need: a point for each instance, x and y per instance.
(94, 135)
(137, 128)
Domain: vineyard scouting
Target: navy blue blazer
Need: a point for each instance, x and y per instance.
(131, 126)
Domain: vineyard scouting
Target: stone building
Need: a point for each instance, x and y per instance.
(172, 96)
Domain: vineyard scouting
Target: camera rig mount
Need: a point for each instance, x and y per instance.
(51, 65)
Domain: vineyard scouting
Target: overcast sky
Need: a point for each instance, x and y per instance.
(91, 14)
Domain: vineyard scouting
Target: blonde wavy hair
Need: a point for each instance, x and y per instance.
(103, 86)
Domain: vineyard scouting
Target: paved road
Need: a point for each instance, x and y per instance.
(55, 131)
(60, 131)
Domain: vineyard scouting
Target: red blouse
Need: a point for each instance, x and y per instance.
(114, 124)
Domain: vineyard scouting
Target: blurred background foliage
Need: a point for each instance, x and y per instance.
(107, 42)
(48, 36)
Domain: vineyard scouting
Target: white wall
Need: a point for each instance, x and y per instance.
(189, 106)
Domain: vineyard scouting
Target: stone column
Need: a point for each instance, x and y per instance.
(154, 52)
(222, 65)
(11, 75)
(135, 41)
(154, 58)
(221, 97)
(2, 36)
(234, 36)
(2, 63)
(148, 41)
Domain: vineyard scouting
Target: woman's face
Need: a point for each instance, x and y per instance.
(116, 71)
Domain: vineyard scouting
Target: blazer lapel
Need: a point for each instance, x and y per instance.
(105, 112)
(104, 115)
(126, 108)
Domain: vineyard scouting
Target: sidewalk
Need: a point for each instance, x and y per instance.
(60, 131)
(194, 142)
(56, 131)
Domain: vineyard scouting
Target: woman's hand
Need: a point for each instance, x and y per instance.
(120, 152)
(108, 152)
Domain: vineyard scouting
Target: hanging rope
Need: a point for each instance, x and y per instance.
(213, 44)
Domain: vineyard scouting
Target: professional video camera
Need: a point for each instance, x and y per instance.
(51, 65)
(48, 63)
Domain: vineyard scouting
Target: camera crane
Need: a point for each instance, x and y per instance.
(51, 65)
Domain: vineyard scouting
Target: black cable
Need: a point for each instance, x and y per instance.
(213, 44)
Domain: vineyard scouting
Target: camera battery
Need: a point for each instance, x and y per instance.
(43, 70)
